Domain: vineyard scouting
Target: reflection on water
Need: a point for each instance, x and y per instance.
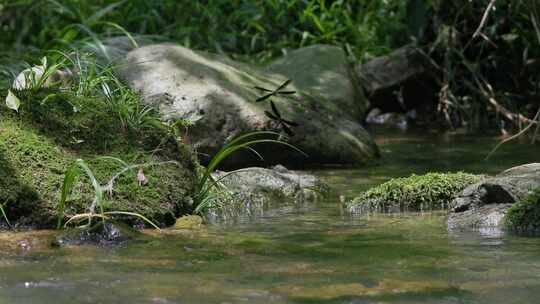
(314, 256)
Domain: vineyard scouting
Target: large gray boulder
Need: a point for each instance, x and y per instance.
(483, 205)
(258, 192)
(218, 95)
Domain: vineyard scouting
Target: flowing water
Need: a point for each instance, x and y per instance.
(320, 255)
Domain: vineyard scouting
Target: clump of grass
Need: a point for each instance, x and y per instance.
(524, 215)
(91, 107)
(414, 193)
(210, 190)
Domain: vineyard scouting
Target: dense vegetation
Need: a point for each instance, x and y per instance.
(482, 55)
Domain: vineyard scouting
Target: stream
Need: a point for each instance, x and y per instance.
(310, 255)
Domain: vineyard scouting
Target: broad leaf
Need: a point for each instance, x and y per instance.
(13, 102)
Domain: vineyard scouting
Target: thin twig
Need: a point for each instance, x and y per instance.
(482, 23)
(487, 91)
(534, 120)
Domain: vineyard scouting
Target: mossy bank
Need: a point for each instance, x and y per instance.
(431, 191)
(40, 142)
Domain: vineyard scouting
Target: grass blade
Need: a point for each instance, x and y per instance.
(70, 178)
(4, 215)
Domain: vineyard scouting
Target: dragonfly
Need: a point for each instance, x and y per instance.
(278, 91)
(285, 124)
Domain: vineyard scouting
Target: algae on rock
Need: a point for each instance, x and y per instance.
(524, 215)
(39, 144)
(414, 193)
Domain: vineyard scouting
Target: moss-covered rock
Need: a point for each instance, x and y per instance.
(524, 215)
(38, 145)
(413, 193)
(484, 205)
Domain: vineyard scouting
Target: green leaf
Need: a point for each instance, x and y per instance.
(12, 101)
(44, 62)
(4, 215)
(102, 12)
(70, 178)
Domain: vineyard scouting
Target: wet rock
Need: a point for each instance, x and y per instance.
(101, 233)
(485, 204)
(258, 192)
(219, 96)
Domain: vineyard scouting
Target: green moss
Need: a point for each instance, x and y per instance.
(43, 140)
(414, 193)
(524, 215)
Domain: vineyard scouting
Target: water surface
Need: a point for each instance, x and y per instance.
(321, 255)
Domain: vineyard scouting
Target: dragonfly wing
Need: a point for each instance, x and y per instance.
(274, 109)
(264, 97)
(283, 85)
(270, 115)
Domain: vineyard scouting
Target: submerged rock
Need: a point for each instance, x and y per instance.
(485, 204)
(219, 96)
(431, 191)
(258, 191)
(101, 233)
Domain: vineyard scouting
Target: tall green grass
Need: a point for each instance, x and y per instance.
(258, 28)
(80, 78)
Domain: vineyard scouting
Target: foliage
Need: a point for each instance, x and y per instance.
(261, 28)
(484, 56)
(524, 215)
(414, 193)
(90, 107)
